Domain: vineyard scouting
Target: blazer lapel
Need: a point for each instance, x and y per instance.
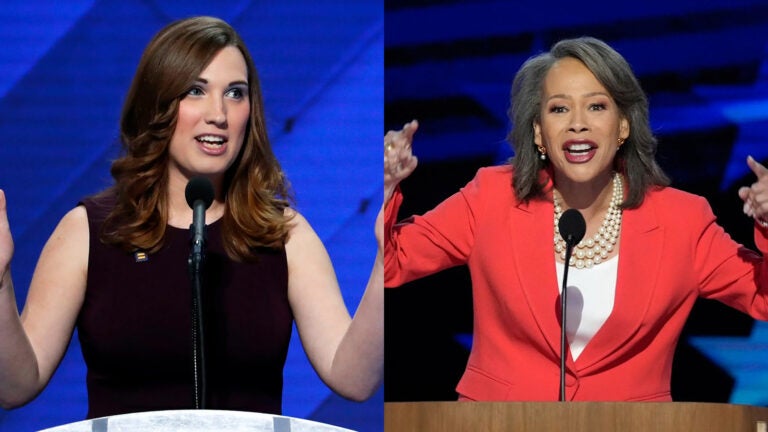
(641, 249)
(536, 267)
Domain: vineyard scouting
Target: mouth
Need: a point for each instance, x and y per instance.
(211, 141)
(212, 144)
(579, 151)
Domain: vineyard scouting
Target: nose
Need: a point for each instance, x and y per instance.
(216, 113)
(578, 121)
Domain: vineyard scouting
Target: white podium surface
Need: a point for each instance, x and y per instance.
(197, 421)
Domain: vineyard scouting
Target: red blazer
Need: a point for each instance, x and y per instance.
(671, 252)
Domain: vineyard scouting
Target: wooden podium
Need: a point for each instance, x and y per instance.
(573, 417)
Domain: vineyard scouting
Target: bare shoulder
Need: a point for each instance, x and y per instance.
(69, 242)
(303, 245)
(77, 218)
(299, 226)
(73, 229)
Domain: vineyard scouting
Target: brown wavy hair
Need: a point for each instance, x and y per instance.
(636, 158)
(256, 190)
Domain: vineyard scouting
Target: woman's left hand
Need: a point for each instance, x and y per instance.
(755, 197)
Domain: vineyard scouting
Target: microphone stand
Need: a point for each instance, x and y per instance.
(195, 263)
(572, 228)
(563, 303)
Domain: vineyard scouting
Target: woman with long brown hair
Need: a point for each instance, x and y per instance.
(111, 268)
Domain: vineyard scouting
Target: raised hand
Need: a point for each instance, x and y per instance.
(6, 241)
(755, 197)
(399, 161)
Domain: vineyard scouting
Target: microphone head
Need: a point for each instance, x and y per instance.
(572, 226)
(199, 188)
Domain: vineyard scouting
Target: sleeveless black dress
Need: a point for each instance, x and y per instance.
(135, 326)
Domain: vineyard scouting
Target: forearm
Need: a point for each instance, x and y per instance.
(358, 365)
(19, 377)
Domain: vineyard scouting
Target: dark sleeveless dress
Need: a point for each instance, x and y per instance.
(136, 320)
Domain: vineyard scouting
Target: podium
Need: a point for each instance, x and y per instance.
(196, 421)
(573, 417)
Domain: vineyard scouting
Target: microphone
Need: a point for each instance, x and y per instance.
(199, 194)
(572, 228)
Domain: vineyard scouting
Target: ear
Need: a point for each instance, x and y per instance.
(624, 128)
(536, 133)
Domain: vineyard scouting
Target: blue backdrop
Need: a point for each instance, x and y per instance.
(65, 69)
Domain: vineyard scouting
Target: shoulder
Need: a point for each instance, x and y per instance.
(70, 238)
(98, 206)
(303, 247)
(675, 206)
(671, 199)
(492, 179)
(77, 218)
(74, 222)
(299, 228)
(490, 187)
(295, 219)
(496, 174)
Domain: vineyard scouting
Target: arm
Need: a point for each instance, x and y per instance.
(421, 245)
(31, 345)
(347, 353)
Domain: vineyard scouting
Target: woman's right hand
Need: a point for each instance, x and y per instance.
(6, 241)
(399, 161)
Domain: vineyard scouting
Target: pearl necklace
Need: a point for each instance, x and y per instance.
(593, 251)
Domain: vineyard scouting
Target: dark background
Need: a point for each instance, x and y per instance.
(450, 65)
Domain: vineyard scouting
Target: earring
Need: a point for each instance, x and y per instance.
(542, 153)
(620, 141)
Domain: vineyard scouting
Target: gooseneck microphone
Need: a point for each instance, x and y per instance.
(199, 194)
(572, 228)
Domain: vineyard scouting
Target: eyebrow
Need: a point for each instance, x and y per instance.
(591, 94)
(232, 84)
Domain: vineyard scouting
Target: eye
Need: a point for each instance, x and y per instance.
(195, 91)
(558, 109)
(597, 107)
(236, 93)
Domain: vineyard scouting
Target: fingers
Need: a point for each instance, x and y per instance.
(401, 139)
(399, 161)
(744, 193)
(755, 197)
(757, 168)
(398, 167)
(409, 129)
(750, 207)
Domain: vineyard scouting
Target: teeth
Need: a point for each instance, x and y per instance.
(579, 147)
(211, 139)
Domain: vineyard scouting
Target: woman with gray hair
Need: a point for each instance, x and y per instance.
(582, 140)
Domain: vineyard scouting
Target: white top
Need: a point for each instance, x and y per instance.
(589, 302)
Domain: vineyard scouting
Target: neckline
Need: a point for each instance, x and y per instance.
(207, 225)
(609, 260)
